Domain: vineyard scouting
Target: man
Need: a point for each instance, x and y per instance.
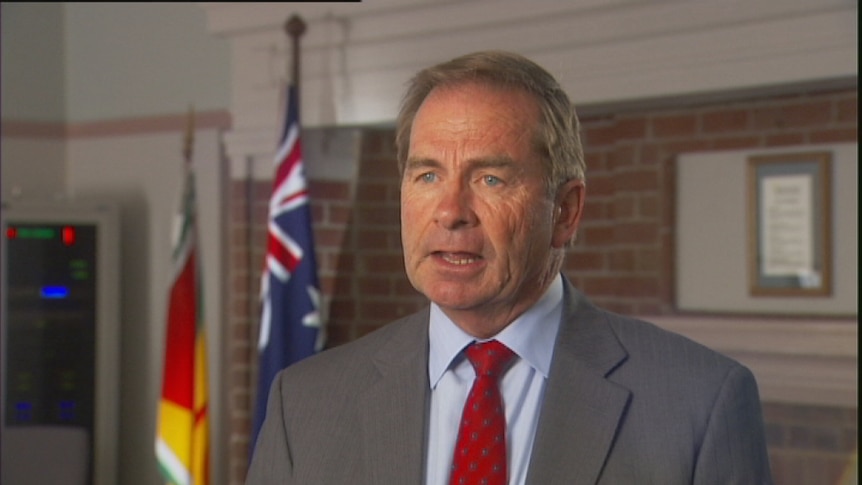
(492, 192)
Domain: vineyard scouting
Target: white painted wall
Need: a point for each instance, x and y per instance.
(141, 59)
(33, 168)
(33, 75)
(32, 90)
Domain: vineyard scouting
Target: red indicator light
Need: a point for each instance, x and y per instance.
(11, 233)
(68, 235)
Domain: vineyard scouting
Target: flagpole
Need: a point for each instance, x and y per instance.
(295, 27)
(188, 142)
(271, 354)
(252, 277)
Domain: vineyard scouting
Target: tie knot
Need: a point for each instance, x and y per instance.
(489, 358)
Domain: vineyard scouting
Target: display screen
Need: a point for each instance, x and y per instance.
(50, 332)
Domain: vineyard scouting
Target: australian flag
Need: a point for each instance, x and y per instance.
(290, 325)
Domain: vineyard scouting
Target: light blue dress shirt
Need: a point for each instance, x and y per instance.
(531, 336)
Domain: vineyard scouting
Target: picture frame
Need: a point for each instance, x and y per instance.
(789, 224)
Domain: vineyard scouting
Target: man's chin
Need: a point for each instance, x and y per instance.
(458, 297)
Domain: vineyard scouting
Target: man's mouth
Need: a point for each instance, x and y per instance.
(458, 259)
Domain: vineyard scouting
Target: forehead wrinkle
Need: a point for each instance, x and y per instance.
(493, 161)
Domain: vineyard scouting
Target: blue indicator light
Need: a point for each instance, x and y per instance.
(23, 411)
(55, 292)
(67, 410)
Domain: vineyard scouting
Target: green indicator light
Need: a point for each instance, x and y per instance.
(80, 275)
(36, 233)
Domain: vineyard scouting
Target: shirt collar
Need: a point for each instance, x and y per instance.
(531, 335)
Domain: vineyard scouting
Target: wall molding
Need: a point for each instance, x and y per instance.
(117, 127)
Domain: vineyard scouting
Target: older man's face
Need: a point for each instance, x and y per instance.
(478, 226)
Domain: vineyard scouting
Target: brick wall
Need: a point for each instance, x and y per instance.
(623, 258)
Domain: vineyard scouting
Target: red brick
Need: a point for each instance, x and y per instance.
(624, 129)
(636, 180)
(683, 146)
(378, 142)
(834, 135)
(806, 113)
(328, 238)
(582, 260)
(596, 209)
(372, 191)
(674, 126)
(375, 285)
(337, 335)
(379, 169)
(374, 239)
(598, 236)
(345, 261)
(261, 191)
(846, 109)
(600, 185)
(595, 161)
(638, 233)
(623, 207)
(784, 139)
(621, 286)
(336, 214)
(648, 205)
(622, 260)
(648, 259)
(342, 308)
(623, 157)
(402, 287)
(650, 154)
(382, 263)
(379, 215)
(725, 121)
(737, 142)
(329, 190)
(383, 310)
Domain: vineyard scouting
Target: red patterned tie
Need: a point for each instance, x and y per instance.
(480, 452)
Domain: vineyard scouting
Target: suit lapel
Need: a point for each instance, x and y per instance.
(582, 409)
(394, 408)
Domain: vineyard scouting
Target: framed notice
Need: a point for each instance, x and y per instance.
(789, 224)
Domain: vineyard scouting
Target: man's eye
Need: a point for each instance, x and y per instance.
(428, 177)
(491, 180)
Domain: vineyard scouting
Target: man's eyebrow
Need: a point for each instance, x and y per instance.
(475, 163)
(420, 163)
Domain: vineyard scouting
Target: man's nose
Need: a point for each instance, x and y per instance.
(454, 210)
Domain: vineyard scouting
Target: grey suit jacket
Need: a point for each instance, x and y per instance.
(625, 403)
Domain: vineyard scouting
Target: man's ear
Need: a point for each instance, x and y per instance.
(568, 211)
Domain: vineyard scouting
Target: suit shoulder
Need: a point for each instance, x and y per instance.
(647, 341)
(357, 357)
